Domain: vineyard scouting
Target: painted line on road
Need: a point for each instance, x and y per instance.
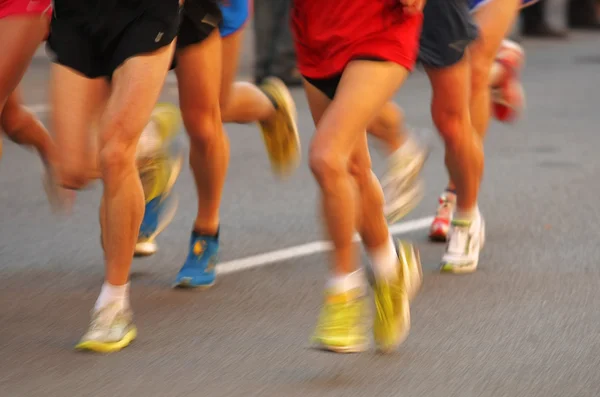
(38, 108)
(298, 251)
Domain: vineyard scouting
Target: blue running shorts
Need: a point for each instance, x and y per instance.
(235, 14)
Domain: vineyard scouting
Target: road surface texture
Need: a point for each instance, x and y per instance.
(526, 324)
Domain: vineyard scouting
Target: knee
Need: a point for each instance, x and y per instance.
(327, 166)
(452, 122)
(391, 118)
(11, 119)
(117, 149)
(360, 169)
(72, 175)
(203, 124)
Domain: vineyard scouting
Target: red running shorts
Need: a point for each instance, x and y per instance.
(25, 7)
(330, 33)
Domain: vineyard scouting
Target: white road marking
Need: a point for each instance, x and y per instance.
(39, 108)
(238, 265)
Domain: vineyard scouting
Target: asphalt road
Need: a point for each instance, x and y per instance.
(526, 324)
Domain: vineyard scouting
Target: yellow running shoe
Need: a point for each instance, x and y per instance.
(410, 260)
(392, 318)
(160, 160)
(168, 120)
(111, 330)
(341, 326)
(160, 131)
(281, 132)
(158, 177)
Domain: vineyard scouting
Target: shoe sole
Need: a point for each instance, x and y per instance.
(438, 237)
(341, 349)
(100, 347)
(186, 283)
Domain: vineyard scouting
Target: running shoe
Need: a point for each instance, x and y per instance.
(402, 184)
(410, 260)
(199, 269)
(280, 133)
(160, 160)
(341, 327)
(441, 223)
(466, 239)
(508, 95)
(111, 330)
(392, 301)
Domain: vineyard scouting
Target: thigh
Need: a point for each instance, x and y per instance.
(494, 19)
(135, 88)
(76, 103)
(450, 89)
(231, 46)
(447, 31)
(21, 35)
(318, 100)
(364, 88)
(199, 76)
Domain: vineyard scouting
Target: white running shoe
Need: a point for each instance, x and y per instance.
(466, 239)
(402, 184)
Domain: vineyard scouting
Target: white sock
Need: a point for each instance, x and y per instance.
(347, 282)
(150, 141)
(113, 293)
(384, 260)
(467, 215)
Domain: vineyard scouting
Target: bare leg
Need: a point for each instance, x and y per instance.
(241, 102)
(21, 35)
(352, 200)
(494, 19)
(22, 127)
(198, 71)
(138, 81)
(450, 112)
(77, 103)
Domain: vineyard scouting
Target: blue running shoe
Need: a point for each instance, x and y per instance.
(158, 176)
(199, 269)
(158, 214)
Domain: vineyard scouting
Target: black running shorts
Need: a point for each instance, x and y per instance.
(448, 29)
(95, 37)
(199, 19)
